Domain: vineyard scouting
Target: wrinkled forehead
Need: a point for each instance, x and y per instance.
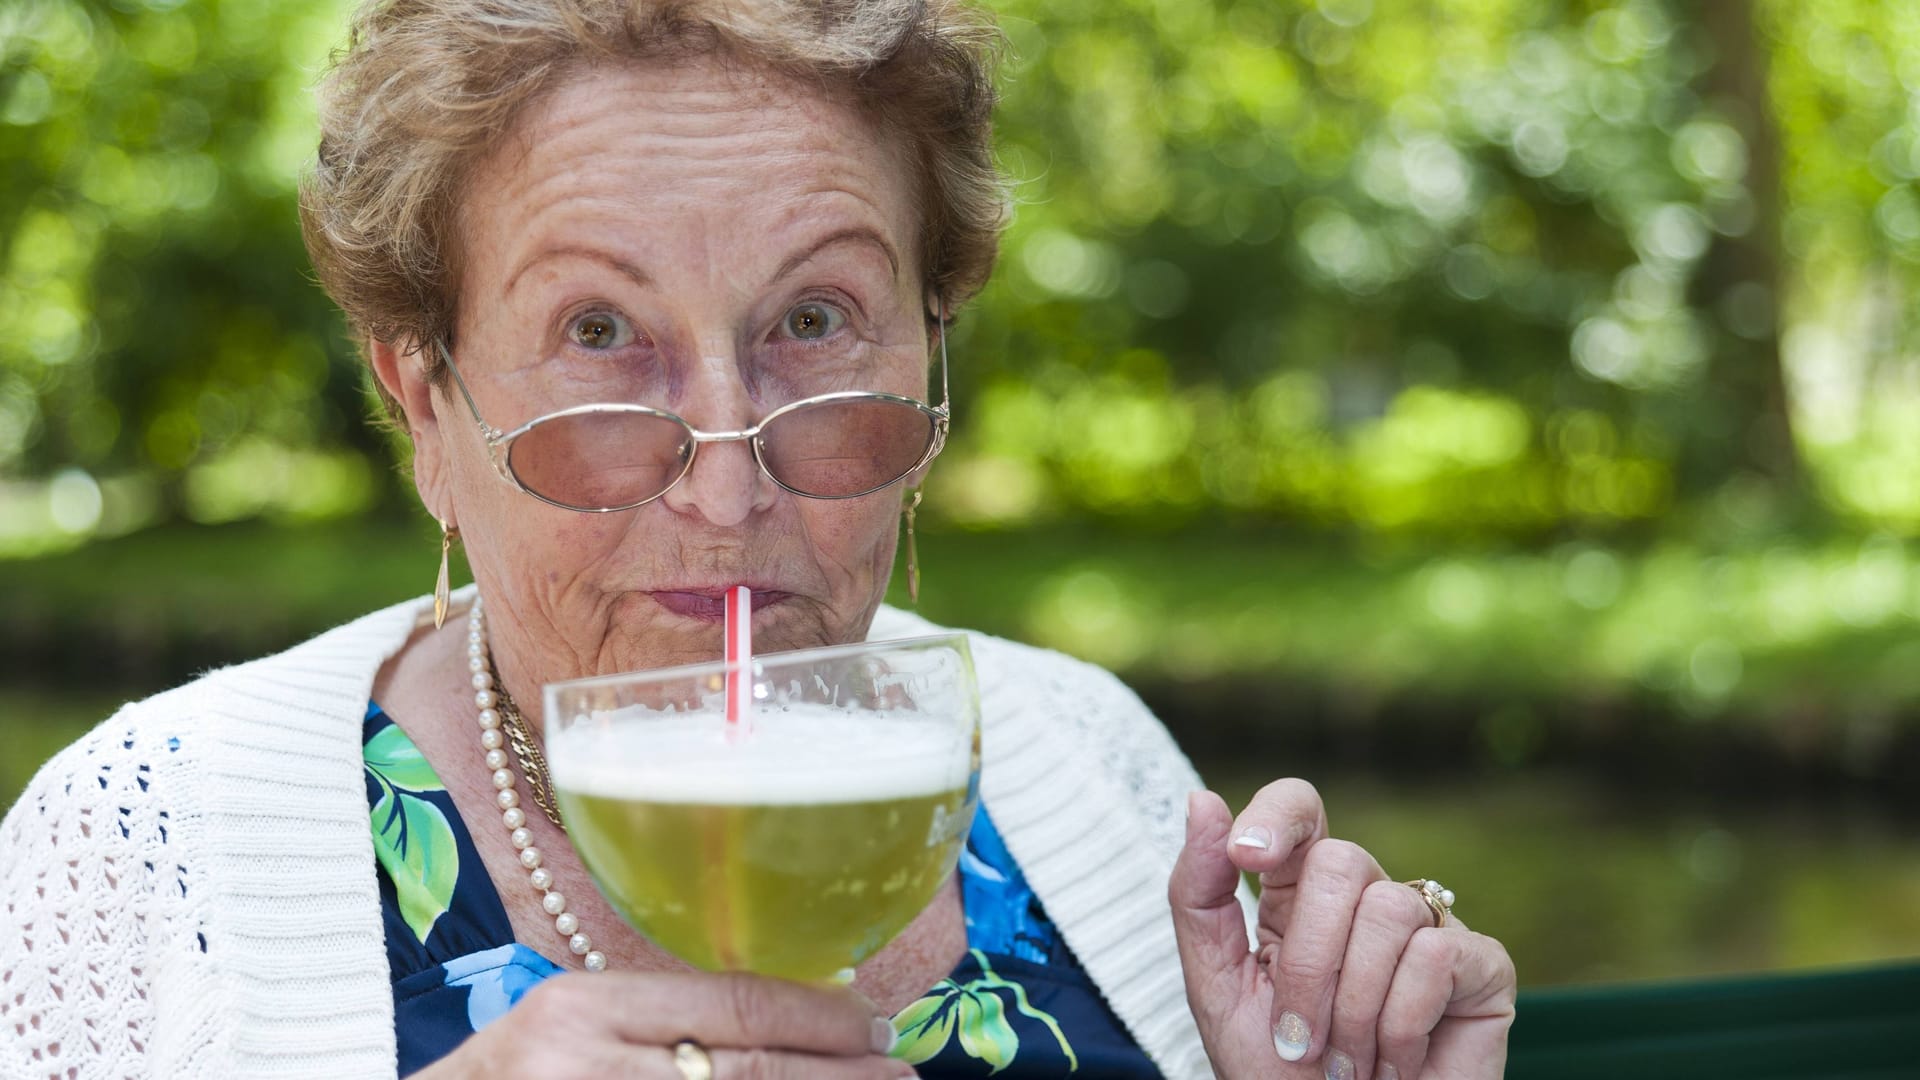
(698, 159)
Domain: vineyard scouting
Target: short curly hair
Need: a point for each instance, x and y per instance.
(424, 87)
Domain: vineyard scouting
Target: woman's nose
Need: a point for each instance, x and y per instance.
(726, 485)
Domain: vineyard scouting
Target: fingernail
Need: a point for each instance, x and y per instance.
(1193, 800)
(1386, 1072)
(1291, 1037)
(1339, 1066)
(1257, 837)
(883, 1035)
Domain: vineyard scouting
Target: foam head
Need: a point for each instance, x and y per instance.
(793, 757)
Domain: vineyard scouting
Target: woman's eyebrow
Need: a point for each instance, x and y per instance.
(860, 234)
(635, 274)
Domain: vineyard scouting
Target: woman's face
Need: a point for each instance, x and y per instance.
(714, 242)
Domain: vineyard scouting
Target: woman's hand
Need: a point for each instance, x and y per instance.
(1351, 980)
(626, 1025)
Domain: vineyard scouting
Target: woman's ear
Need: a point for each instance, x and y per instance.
(402, 371)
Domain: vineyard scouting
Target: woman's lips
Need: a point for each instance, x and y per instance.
(708, 604)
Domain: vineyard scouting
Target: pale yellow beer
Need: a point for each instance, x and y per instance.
(798, 852)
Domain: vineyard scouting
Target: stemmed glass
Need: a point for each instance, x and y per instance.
(795, 842)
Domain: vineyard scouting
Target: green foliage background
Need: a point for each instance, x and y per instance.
(1515, 375)
(1575, 280)
(1486, 268)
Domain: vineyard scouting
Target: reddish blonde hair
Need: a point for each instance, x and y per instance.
(425, 87)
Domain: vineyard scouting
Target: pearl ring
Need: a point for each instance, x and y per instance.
(692, 1060)
(1439, 898)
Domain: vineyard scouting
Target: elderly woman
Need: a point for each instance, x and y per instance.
(579, 240)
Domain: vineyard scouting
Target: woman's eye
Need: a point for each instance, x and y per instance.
(810, 322)
(601, 331)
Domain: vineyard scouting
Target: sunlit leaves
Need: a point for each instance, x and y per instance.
(1409, 204)
(1350, 189)
(137, 237)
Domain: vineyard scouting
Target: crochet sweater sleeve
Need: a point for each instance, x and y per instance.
(102, 955)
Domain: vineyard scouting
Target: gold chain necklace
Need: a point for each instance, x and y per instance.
(533, 764)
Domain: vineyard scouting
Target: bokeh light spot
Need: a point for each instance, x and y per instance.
(73, 501)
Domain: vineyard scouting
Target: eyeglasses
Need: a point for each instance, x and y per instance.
(606, 457)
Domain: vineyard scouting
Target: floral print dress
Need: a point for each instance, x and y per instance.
(1018, 1005)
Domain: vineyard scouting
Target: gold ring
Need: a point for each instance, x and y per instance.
(1439, 898)
(692, 1060)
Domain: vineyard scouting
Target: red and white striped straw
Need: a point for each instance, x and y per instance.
(739, 634)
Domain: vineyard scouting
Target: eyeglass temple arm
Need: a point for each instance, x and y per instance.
(940, 313)
(485, 428)
(487, 431)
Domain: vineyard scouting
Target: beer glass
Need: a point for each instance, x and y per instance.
(795, 843)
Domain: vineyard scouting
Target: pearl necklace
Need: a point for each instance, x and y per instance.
(511, 815)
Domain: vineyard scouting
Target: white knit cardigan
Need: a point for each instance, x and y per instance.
(189, 889)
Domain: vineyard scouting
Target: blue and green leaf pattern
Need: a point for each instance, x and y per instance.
(1010, 1004)
(975, 1014)
(411, 836)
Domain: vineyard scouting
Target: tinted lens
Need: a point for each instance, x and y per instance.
(600, 460)
(837, 449)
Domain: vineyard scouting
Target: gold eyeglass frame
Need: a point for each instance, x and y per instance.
(499, 443)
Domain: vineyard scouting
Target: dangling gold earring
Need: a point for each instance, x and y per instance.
(913, 554)
(447, 533)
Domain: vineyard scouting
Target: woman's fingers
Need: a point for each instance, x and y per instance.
(628, 1024)
(1451, 1004)
(1270, 839)
(778, 1065)
(1313, 945)
(1208, 924)
(718, 1011)
(1387, 918)
(657, 1063)
(1351, 979)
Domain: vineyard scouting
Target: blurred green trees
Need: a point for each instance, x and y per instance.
(1553, 355)
(157, 315)
(1507, 269)
(1484, 267)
